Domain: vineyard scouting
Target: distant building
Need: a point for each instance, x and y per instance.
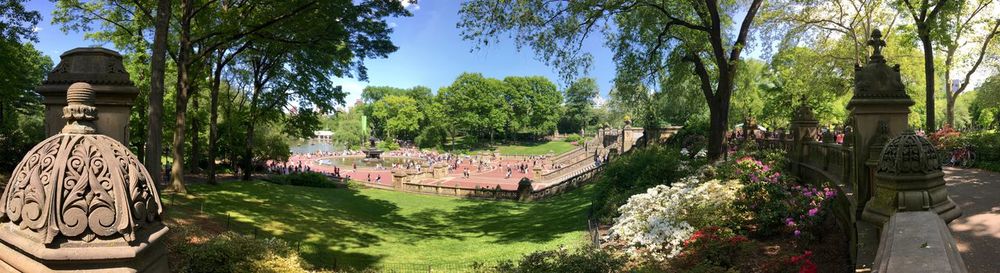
(323, 135)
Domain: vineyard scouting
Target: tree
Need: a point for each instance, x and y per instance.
(579, 105)
(157, 66)
(926, 19)
(970, 28)
(535, 105)
(476, 104)
(401, 114)
(16, 22)
(643, 33)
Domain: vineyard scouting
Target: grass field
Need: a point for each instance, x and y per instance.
(556, 147)
(370, 227)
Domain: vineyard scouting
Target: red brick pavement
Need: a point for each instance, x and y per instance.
(491, 178)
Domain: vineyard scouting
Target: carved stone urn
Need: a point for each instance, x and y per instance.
(81, 202)
(909, 178)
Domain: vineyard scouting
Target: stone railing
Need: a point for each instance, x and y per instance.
(575, 180)
(917, 241)
(582, 162)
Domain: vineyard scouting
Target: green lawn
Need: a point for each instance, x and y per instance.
(370, 227)
(556, 147)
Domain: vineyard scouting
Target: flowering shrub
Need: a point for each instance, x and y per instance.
(750, 170)
(946, 138)
(711, 249)
(762, 207)
(805, 264)
(657, 222)
(632, 174)
(808, 205)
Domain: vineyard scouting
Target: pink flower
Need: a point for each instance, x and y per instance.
(813, 211)
(797, 233)
(807, 193)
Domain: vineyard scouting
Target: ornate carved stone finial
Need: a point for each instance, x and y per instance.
(877, 43)
(909, 178)
(803, 112)
(79, 112)
(81, 201)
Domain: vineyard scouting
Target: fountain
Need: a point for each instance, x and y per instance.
(372, 153)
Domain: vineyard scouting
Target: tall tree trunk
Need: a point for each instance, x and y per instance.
(195, 129)
(925, 39)
(154, 133)
(949, 113)
(213, 127)
(181, 98)
(248, 153)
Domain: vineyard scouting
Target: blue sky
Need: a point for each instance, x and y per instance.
(431, 51)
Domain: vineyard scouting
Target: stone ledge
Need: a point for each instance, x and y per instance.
(917, 242)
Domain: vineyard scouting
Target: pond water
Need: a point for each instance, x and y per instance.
(313, 147)
(346, 162)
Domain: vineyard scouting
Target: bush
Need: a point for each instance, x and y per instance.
(582, 260)
(946, 138)
(713, 249)
(633, 173)
(572, 138)
(231, 252)
(655, 223)
(986, 144)
(306, 179)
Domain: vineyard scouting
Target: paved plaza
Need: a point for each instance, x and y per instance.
(978, 230)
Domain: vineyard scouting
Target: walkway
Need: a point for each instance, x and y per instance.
(978, 230)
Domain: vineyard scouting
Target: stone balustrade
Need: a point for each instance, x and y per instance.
(917, 241)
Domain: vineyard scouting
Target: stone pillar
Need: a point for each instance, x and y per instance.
(524, 190)
(879, 110)
(80, 201)
(803, 129)
(440, 170)
(104, 71)
(398, 178)
(536, 172)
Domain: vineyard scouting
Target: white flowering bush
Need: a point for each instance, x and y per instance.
(657, 223)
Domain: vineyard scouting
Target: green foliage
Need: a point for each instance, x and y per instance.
(579, 105)
(305, 179)
(476, 104)
(573, 138)
(987, 148)
(582, 260)
(388, 145)
(23, 67)
(16, 22)
(633, 173)
(231, 252)
(535, 104)
(763, 208)
(401, 116)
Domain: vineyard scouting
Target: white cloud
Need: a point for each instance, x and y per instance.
(410, 5)
(36, 29)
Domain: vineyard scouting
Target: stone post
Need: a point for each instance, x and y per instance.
(440, 170)
(524, 190)
(104, 71)
(803, 128)
(879, 110)
(536, 172)
(398, 179)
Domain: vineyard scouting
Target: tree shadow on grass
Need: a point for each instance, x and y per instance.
(325, 223)
(537, 222)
